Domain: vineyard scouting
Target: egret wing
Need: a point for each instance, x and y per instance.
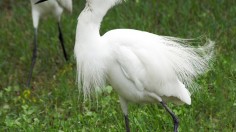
(130, 65)
(165, 62)
(142, 65)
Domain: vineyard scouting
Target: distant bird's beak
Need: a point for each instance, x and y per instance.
(40, 1)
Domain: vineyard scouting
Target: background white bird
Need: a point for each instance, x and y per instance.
(141, 67)
(49, 7)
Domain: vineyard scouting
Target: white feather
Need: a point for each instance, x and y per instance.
(140, 66)
(50, 7)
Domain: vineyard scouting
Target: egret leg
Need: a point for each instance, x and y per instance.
(34, 56)
(62, 41)
(124, 108)
(127, 123)
(175, 119)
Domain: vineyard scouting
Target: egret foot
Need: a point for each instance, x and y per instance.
(175, 119)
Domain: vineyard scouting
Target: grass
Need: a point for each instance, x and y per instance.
(53, 103)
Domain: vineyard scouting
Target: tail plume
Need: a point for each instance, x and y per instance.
(188, 61)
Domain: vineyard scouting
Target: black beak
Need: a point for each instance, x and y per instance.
(40, 1)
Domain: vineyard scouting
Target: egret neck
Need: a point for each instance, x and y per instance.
(89, 24)
(90, 19)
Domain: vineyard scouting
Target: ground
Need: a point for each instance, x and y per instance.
(53, 103)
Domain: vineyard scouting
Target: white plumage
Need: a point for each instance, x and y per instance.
(44, 8)
(141, 67)
(49, 7)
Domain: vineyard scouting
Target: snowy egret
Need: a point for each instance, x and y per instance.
(50, 7)
(141, 67)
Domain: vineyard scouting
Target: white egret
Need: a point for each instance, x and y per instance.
(141, 67)
(49, 7)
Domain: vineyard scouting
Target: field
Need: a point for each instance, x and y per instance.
(53, 103)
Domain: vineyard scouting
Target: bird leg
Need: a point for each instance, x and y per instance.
(34, 56)
(127, 123)
(124, 108)
(62, 41)
(175, 119)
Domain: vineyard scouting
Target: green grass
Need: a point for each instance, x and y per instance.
(53, 103)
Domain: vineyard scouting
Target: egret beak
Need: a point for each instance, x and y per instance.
(40, 1)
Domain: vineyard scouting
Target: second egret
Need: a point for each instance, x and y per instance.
(49, 7)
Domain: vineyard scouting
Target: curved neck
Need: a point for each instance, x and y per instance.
(89, 22)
